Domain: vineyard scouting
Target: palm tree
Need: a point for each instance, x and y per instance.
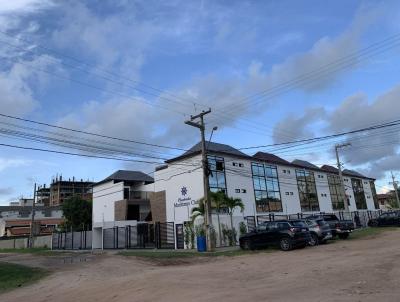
(233, 203)
(199, 210)
(218, 202)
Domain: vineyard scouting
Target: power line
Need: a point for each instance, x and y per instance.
(90, 133)
(77, 154)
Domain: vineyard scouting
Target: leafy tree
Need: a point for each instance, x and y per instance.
(77, 213)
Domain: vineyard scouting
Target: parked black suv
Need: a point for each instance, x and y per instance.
(386, 219)
(287, 234)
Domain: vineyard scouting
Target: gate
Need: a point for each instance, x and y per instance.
(180, 236)
(72, 240)
(165, 237)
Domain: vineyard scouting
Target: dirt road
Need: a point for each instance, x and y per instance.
(359, 270)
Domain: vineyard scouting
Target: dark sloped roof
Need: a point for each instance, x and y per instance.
(127, 175)
(211, 147)
(305, 164)
(353, 173)
(330, 169)
(268, 157)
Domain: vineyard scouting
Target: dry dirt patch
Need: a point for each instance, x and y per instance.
(355, 270)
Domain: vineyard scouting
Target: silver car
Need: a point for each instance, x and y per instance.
(320, 231)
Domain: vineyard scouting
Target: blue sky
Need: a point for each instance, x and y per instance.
(200, 54)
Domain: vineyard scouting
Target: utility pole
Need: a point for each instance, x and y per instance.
(207, 206)
(396, 193)
(32, 218)
(337, 147)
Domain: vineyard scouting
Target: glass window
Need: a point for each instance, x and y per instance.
(307, 191)
(266, 188)
(374, 195)
(337, 196)
(359, 195)
(216, 179)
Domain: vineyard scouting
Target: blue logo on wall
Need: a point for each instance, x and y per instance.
(184, 191)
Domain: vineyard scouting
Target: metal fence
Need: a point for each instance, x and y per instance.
(140, 236)
(72, 240)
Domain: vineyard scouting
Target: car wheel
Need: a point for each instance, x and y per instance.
(247, 245)
(373, 223)
(285, 244)
(313, 240)
(344, 236)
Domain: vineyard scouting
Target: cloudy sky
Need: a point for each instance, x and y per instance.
(272, 71)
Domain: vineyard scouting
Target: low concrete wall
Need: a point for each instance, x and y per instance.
(21, 243)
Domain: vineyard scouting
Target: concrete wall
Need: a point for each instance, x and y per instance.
(20, 243)
(172, 180)
(104, 196)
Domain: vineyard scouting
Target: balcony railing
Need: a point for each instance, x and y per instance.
(133, 195)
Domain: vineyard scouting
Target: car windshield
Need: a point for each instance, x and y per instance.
(298, 224)
(321, 222)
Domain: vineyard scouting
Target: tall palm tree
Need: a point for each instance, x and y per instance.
(218, 202)
(233, 203)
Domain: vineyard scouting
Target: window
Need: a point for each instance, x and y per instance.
(359, 195)
(237, 190)
(374, 196)
(266, 188)
(335, 188)
(307, 191)
(287, 193)
(216, 179)
(241, 165)
(244, 191)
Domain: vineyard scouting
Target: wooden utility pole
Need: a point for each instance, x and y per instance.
(207, 206)
(31, 236)
(337, 147)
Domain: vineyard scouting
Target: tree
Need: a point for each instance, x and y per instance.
(198, 211)
(233, 203)
(218, 202)
(77, 213)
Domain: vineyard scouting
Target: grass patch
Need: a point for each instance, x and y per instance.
(190, 254)
(14, 275)
(370, 232)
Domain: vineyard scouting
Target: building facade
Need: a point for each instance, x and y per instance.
(122, 199)
(264, 182)
(16, 220)
(61, 190)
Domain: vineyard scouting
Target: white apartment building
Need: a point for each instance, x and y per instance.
(265, 182)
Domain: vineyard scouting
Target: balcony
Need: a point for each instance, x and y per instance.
(136, 195)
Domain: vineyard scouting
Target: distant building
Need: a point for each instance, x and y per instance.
(16, 220)
(387, 201)
(61, 190)
(43, 195)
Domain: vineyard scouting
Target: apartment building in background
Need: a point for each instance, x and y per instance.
(61, 190)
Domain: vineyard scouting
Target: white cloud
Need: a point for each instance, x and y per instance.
(6, 163)
(23, 6)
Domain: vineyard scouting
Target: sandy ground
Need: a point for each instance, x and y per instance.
(359, 270)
